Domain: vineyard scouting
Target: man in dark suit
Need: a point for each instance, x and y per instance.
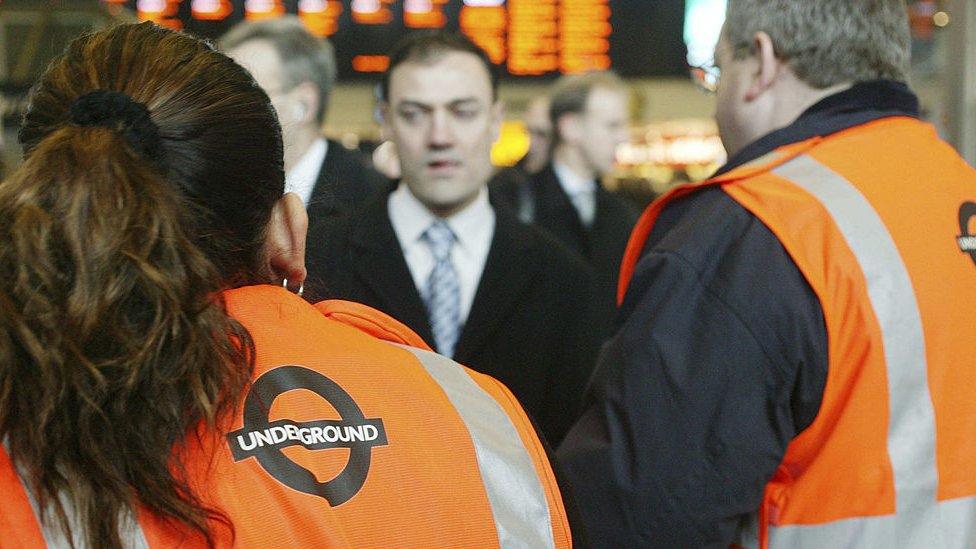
(495, 294)
(589, 115)
(298, 70)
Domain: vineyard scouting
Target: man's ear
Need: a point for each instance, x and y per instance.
(569, 127)
(307, 96)
(768, 67)
(497, 117)
(286, 240)
(384, 116)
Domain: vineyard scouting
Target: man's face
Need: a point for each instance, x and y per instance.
(604, 127)
(261, 59)
(443, 120)
(540, 134)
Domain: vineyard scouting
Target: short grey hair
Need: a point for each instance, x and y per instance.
(304, 57)
(827, 42)
(570, 93)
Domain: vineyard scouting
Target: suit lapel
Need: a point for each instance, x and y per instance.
(556, 213)
(602, 220)
(378, 262)
(612, 224)
(323, 202)
(509, 268)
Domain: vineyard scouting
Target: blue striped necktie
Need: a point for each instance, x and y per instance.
(443, 295)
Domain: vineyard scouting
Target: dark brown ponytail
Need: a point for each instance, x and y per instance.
(118, 235)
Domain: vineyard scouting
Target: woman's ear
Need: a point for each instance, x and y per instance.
(286, 240)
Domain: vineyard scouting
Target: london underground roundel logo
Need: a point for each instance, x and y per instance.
(265, 440)
(967, 241)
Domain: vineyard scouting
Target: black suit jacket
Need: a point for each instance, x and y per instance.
(602, 245)
(529, 323)
(345, 181)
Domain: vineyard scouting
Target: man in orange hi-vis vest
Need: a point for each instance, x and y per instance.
(797, 355)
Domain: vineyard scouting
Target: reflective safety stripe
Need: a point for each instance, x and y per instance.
(130, 531)
(911, 424)
(943, 525)
(518, 500)
(920, 521)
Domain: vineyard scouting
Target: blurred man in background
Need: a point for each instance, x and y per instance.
(495, 294)
(589, 118)
(796, 362)
(298, 71)
(512, 186)
(539, 127)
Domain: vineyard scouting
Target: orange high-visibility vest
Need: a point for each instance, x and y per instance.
(879, 219)
(353, 434)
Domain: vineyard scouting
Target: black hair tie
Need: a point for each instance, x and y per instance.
(120, 112)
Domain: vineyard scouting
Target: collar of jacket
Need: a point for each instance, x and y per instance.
(859, 104)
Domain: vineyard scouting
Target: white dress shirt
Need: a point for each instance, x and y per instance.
(581, 192)
(474, 227)
(301, 178)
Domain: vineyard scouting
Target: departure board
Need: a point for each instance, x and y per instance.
(527, 38)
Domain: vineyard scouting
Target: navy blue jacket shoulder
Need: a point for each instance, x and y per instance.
(719, 362)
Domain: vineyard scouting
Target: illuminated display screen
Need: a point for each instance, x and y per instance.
(524, 37)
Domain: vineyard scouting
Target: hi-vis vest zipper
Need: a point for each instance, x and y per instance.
(879, 218)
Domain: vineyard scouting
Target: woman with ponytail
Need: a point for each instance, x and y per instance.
(159, 387)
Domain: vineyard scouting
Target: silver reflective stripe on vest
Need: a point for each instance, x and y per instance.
(920, 521)
(129, 530)
(518, 500)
